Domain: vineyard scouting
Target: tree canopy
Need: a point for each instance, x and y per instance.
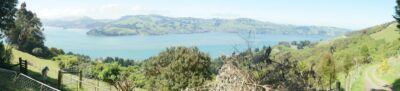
(7, 18)
(27, 34)
(177, 68)
(7, 14)
(397, 10)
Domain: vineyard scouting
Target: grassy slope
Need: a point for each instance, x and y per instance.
(156, 25)
(37, 64)
(388, 34)
(392, 74)
(381, 41)
(385, 50)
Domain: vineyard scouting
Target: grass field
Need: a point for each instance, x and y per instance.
(35, 65)
(388, 34)
(392, 74)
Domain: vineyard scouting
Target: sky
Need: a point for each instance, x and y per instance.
(351, 14)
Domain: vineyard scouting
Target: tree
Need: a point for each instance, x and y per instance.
(365, 54)
(397, 15)
(327, 70)
(110, 73)
(5, 56)
(7, 14)
(7, 17)
(56, 51)
(122, 78)
(136, 76)
(177, 68)
(27, 33)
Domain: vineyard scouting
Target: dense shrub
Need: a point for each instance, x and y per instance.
(5, 56)
(67, 61)
(55, 51)
(37, 52)
(177, 68)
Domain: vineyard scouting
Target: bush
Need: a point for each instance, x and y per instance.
(37, 52)
(177, 68)
(5, 56)
(384, 66)
(67, 61)
(55, 51)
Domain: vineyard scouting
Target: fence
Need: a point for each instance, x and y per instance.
(73, 80)
(67, 79)
(11, 81)
(242, 86)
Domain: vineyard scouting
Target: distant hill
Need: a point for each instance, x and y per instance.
(359, 52)
(75, 22)
(159, 25)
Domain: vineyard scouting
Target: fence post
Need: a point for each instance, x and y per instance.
(59, 79)
(97, 86)
(26, 66)
(41, 87)
(20, 64)
(23, 65)
(80, 79)
(338, 86)
(255, 87)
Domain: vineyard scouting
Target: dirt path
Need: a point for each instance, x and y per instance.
(372, 83)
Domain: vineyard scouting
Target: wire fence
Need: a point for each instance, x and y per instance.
(13, 81)
(70, 81)
(230, 87)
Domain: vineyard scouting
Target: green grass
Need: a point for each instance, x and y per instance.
(380, 41)
(35, 65)
(392, 74)
(388, 34)
(359, 83)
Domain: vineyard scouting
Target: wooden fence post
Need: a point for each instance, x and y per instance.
(59, 79)
(23, 65)
(20, 64)
(338, 86)
(26, 66)
(97, 86)
(80, 78)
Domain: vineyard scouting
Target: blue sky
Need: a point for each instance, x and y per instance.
(352, 14)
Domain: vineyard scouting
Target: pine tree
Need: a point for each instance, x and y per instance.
(397, 15)
(7, 18)
(327, 70)
(27, 34)
(7, 14)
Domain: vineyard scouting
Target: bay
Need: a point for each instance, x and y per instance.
(141, 47)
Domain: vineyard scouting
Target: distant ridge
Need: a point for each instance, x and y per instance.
(160, 25)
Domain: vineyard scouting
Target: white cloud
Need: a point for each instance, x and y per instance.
(58, 13)
(109, 11)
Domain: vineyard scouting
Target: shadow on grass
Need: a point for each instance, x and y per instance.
(12, 81)
(50, 81)
(6, 81)
(396, 85)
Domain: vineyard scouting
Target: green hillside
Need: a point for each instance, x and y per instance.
(363, 59)
(359, 57)
(389, 33)
(35, 66)
(159, 25)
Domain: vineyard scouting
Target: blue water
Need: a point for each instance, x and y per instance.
(142, 47)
